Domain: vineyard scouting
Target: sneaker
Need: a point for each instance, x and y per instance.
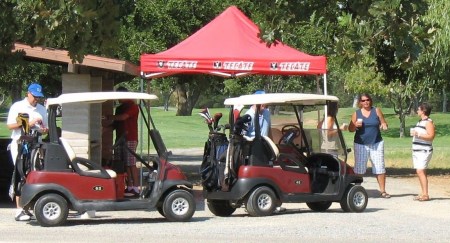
(30, 214)
(88, 215)
(23, 216)
(279, 209)
(131, 194)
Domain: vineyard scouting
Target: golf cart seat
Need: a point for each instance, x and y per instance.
(84, 166)
(264, 152)
(273, 146)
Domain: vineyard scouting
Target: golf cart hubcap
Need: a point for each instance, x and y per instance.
(264, 201)
(180, 206)
(359, 199)
(51, 210)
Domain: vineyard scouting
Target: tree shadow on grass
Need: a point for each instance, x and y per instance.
(407, 172)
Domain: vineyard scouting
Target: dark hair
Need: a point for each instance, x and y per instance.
(122, 89)
(332, 109)
(426, 108)
(366, 95)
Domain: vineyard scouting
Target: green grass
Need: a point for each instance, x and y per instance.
(192, 131)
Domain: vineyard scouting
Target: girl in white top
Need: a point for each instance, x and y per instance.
(422, 148)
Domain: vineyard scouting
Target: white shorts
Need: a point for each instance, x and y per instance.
(421, 158)
(14, 149)
(373, 151)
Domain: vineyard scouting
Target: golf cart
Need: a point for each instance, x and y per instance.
(54, 180)
(291, 165)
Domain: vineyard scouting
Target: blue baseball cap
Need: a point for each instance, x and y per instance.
(260, 92)
(35, 90)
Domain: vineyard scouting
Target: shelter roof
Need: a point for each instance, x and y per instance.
(52, 55)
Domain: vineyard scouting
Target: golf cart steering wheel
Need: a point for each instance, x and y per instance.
(290, 132)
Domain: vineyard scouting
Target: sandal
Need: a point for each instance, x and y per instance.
(385, 195)
(422, 198)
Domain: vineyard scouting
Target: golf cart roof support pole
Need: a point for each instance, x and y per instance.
(325, 92)
(256, 124)
(299, 115)
(141, 134)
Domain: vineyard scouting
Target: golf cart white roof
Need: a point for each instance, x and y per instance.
(98, 97)
(281, 98)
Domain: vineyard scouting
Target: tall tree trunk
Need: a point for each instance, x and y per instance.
(402, 117)
(444, 100)
(189, 88)
(182, 100)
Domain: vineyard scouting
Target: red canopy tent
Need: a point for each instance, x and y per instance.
(229, 46)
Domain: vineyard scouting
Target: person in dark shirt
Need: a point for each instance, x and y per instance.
(367, 123)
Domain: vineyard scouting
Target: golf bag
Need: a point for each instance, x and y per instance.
(213, 164)
(27, 142)
(236, 152)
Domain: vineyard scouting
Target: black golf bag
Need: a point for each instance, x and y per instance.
(213, 164)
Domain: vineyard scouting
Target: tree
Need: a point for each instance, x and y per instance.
(435, 61)
(78, 26)
(81, 27)
(391, 36)
(21, 73)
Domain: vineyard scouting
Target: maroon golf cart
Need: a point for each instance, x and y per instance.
(53, 180)
(296, 163)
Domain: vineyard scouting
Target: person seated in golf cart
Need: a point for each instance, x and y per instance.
(264, 119)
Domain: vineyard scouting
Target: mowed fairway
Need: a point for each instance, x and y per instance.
(192, 132)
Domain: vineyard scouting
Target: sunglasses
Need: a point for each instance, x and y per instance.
(365, 100)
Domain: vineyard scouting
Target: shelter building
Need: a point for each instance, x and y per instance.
(82, 123)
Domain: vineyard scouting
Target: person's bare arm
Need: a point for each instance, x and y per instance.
(383, 122)
(31, 123)
(120, 117)
(429, 136)
(14, 126)
(331, 131)
(351, 126)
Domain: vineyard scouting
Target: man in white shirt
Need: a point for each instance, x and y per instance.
(37, 122)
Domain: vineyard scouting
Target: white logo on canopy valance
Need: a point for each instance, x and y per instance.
(179, 64)
(294, 66)
(247, 66)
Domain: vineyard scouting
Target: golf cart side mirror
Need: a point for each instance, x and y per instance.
(349, 150)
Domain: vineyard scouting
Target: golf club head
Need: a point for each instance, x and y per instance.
(216, 119)
(205, 114)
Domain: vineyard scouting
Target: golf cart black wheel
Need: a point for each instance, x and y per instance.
(160, 210)
(261, 202)
(343, 202)
(319, 206)
(179, 206)
(51, 210)
(355, 199)
(220, 208)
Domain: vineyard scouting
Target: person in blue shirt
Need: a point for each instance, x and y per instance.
(367, 123)
(264, 119)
